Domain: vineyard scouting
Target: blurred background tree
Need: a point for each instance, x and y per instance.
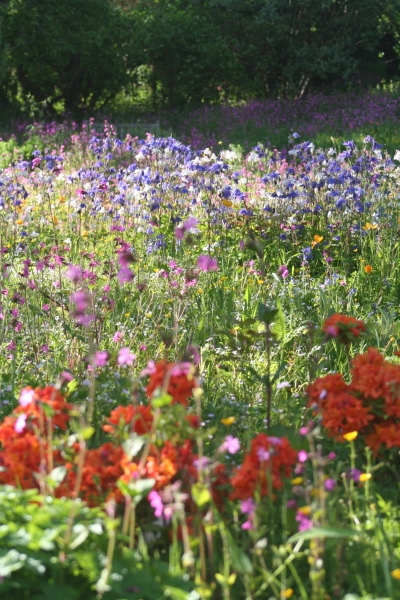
(78, 56)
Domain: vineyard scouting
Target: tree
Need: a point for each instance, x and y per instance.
(76, 53)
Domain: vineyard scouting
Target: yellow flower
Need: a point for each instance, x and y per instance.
(288, 593)
(227, 203)
(351, 436)
(370, 226)
(228, 420)
(317, 240)
(305, 510)
(368, 269)
(365, 477)
(297, 481)
(395, 573)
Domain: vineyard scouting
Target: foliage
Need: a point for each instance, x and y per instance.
(75, 57)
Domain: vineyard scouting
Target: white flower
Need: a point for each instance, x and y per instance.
(397, 155)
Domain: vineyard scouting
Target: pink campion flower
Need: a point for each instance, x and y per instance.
(117, 337)
(11, 346)
(39, 266)
(20, 423)
(66, 376)
(46, 307)
(150, 369)
(26, 397)
(36, 162)
(247, 507)
(329, 484)
(302, 456)
(191, 224)
(247, 525)
(230, 445)
(304, 431)
(283, 271)
(206, 263)
(183, 368)
(126, 357)
(84, 320)
(155, 502)
(263, 455)
(15, 312)
(74, 273)
(179, 233)
(100, 358)
(81, 300)
(80, 193)
(125, 275)
(303, 521)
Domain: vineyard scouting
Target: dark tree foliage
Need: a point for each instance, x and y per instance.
(83, 52)
(74, 51)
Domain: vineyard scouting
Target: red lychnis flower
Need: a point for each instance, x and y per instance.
(270, 460)
(369, 404)
(344, 329)
(177, 379)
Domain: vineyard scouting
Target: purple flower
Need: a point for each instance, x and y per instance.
(329, 484)
(66, 376)
(20, 423)
(100, 358)
(126, 357)
(206, 263)
(125, 275)
(283, 270)
(354, 474)
(26, 397)
(263, 455)
(74, 273)
(303, 521)
(231, 445)
(155, 502)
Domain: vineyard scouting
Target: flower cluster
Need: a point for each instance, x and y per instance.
(344, 329)
(269, 460)
(176, 379)
(369, 404)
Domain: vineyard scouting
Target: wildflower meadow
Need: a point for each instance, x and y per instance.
(200, 372)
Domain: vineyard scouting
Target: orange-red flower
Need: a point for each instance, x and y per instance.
(177, 379)
(136, 419)
(344, 329)
(264, 467)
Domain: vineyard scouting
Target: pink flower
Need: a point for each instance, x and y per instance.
(247, 507)
(302, 456)
(20, 423)
(66, 376)
(125, 275)
(126, 357)
(247, 525)
(100, 358)
(155, 502)
(74, 273)
(231, 445)
(46, 307)
(26, 397)
(117, 337)
(206, 263)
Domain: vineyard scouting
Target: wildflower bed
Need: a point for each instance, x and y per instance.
(199, 378)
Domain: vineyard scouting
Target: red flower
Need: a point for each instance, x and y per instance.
(177, 378)
(345, 329)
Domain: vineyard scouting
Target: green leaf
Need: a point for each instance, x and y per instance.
(266, 314)
(160, 399)
(279, 329)
(322, 532)
(133, 445)
(200, 494)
